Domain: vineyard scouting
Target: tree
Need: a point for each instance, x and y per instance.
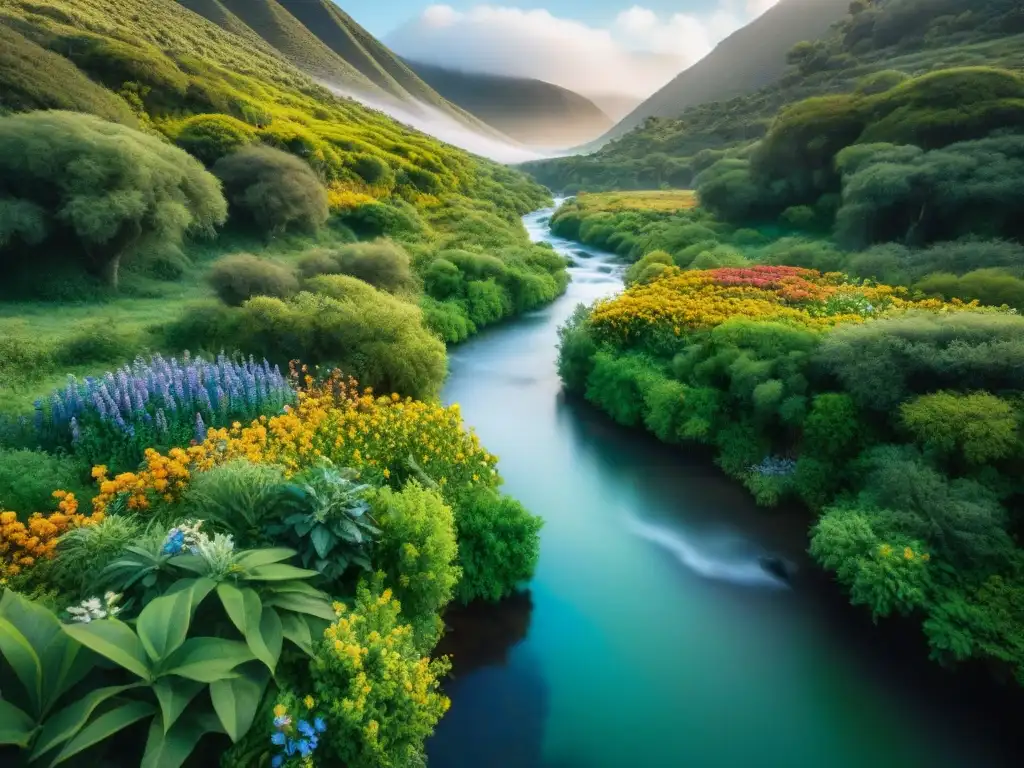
(272, 189)
(106, 188)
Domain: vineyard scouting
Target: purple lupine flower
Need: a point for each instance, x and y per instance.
(200, 431)
(76, 433)
(161, 421)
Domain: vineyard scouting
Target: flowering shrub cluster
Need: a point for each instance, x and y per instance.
(677, 302)
(376, 436)
(157, 402)
(297, 732)
(22, 544)
(382, 692)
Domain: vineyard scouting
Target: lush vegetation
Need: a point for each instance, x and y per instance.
(268, 588)
(877, 46)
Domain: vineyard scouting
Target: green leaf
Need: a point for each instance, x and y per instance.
(174, 694)
(65, 663)
(303, 604)
(207, 659)
(64, 724)
(113, 640)
(254, 558)
(192, 563)
(301, 587)
(323, 540)
(163, 624)
(103, 727)
(170, 748)
(16, 726)
(24, 660)
(296, 630)
(242, 606)
(236, 702)
(271, 638)
(279, 572)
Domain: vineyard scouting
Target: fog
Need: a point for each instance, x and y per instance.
(432, 121)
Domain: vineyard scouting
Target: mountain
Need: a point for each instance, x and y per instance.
(531, 111)
(323, 41)
(615, 105)
(750, 58)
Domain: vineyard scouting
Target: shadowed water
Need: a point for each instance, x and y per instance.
(651, 636)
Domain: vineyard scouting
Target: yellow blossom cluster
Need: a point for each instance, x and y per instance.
(22, 544)
(908, 553)
(681, 301)
(375, 435)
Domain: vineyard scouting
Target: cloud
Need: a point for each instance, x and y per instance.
(636, 54)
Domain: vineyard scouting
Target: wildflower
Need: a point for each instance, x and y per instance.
(319, 725)
(277, 738)
(282, 721)
(309, 702)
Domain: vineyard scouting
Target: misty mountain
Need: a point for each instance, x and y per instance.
(322, 40)
(533, 112)
(750, 58)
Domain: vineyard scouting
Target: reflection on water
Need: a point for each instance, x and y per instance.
(482, 634)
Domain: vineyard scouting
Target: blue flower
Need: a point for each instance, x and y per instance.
(305, 728)
(277, 738)
(320, 725)
(304, 749)
(291, 747)
(277, 761)
(282, 721)
(314, 742)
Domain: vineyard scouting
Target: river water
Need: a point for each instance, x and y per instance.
(650, 637)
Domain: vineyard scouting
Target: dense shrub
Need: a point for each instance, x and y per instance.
(239, 277)
(238, 497)
(211, 137)
(105, 189)
(417, 552)
(28, 479)
(383, 264)
(499, 544)
(272, 190)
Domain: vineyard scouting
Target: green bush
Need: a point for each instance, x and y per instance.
(383, 264)
(499, 545)
(101, 189)
(98, 342)
(649, 267)
(417, 551)
(211, 137)
(448, 319)
(28, 479)
(238, 497)
(443, 280)
(240, 276)
(83, 554)
(978, 426)
(272, 190)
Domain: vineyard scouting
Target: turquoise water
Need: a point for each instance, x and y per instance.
(650, 636)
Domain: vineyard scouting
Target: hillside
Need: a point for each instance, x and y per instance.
(872, 48)
(323, 41)
(750, 58)
(531, 111)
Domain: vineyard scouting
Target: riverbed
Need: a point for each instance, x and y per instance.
(650, 635)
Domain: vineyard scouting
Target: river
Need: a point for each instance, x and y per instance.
(650, 637)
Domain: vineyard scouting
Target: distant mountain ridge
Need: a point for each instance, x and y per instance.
(750, 58)
(534, 112)
(323, 41)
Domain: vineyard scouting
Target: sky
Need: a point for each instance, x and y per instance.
(594, 47)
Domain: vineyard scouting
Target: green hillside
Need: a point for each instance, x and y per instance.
(531, 111)
(749, 59)
(873, 47)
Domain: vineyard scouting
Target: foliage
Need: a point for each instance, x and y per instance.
(239, 496)
(417, 552)
(272, 190)
(106, 188)
(27, 478)
(382, 264)
(211, 137)
(23, 544)
(156, 402)
(239, 277)
(499, 545)
(979, 427)
(324, 514)
(382, 692)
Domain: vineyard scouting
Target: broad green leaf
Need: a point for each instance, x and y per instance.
(113, 640)
(299, 603)
(103, 727)
(170, 748)
(163, 624)
(64, 724)
(174, 694)
(254, 558)
(242, 606)
(24, 660)
(279, 572)
(271, 638)
(207, 659)
(323, 540)
(198, 586)
(302, 587)
(192, 563)
(295, 629)
(16, 726)
(65, 664)
(236, 702)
